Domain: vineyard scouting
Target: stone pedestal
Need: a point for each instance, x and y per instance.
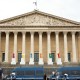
(59, 62)
(22, 61)
(50, 61)
(31, 61)
(41, 61)
(13, 62)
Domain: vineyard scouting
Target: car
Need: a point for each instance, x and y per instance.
(66, 73)
(26, 73)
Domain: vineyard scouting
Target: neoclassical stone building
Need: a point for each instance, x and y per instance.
(38, 37)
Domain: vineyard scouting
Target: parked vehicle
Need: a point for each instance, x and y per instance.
(66, 73)
(27, 73)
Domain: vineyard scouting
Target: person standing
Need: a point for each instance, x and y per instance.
(45, 76)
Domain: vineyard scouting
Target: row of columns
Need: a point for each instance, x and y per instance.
(40, 47)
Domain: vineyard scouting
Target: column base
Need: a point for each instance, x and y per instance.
(13, 62)
(22, 61)
(66, 61)
(74, 61)
(50, 61)
(59, 62)
(41, 61)
(31, 61)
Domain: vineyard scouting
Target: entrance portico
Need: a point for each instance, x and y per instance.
(40, 48)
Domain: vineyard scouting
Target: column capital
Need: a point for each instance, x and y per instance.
(15, 32)
(73, 32)
(65, 32)
(57, 32)
(7, 32)
(32, 32)
(23, 32)
(49, 32)
(40, 32)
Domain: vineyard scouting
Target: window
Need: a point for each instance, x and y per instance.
(3, 57)
(53, 57)
(69, 57)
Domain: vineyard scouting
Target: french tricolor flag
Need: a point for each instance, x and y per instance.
(59, 62)
(59, 55)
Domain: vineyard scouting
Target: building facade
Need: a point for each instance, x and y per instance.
(38, 37)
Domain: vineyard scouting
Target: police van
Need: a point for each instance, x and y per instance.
(66, 73)
(26, 73)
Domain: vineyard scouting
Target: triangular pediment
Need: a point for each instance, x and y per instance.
(37, 18)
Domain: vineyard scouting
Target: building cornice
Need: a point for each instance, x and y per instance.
(40, 26)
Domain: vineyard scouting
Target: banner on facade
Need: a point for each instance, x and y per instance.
(59, 62)
(59, 55)
(50, 56)
(40, 55)
(23, 55)
(13, 55)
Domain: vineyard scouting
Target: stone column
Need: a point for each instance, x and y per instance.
(14, 58)
(65, 47)
(57, 45)
(74, 47)
(58, 58)
(7, 47)
(23, 48)
(32, 49)
(79, 47)
(49, 49)
(40, 49)
(0, 48)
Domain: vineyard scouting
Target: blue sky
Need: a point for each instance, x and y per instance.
(69, 9)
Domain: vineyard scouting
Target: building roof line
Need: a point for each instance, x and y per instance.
(40, 12)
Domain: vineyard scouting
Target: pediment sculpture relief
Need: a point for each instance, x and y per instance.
(36, 19)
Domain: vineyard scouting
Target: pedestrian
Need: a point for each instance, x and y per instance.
(45, 76)
(54, 73)
(65, 75)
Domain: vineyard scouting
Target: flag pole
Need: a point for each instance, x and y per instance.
(35, 3)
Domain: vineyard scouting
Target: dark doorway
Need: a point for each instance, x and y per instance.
(36, 57)
(19, 57)
(53, 57)
(69, 57)
(3, 57)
